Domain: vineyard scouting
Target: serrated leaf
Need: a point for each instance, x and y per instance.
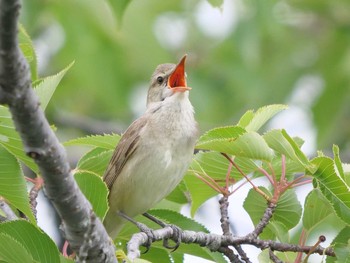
(301, 156)
(333, 187)
(12, 251)
(337, 162)
(287, 213)
(277, 140)
(246, 118)
(233, 140)
(107, 141)
(254, 121)
(229, 133)
(9, 138)
(27, 48)
(48, 85)
(95, 161)
(341, 246)
(12, 184)
(11, 141)
(95, 190)
(38, 244)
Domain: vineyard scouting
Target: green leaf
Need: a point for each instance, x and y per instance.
(254, 121)
(63, 259)
(341, 246)
(233, 140)
(333, 187)
(48, 85)
(215, 166)
(292, 168)
(95, 161)
(179, 194)
(246, 118)
(286, 216)
(337, 161)
(277, 140)
(95, 190)
(37, 243)
(12, 251)
(119, 8)
(27, 48)
(172, 217)
(10, 139)
(107, 141)
(316, 209)
(229, 133)
(12, 184)
(200, 191)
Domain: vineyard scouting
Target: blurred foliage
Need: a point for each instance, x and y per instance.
(262, 57)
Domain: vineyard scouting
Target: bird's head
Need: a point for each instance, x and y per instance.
(167, 80)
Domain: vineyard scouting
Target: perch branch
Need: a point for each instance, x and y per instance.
(215, 242)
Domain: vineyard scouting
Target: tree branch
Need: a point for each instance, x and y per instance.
(225, 226)
(10, 215)
(264, 220)
(215, 242)
(82, 229)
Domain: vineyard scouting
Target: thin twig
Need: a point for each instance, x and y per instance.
(270, 209)
(274, 258)
(246, 177)
(229, 254)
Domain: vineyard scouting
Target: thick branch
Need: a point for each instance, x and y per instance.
(215, 242)
(81, 227)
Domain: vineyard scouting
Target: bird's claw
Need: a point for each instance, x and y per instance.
(150, 236)
(176, 238)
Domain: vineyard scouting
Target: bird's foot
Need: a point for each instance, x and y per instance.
(143, 228)
(176, 232)
(150, 236)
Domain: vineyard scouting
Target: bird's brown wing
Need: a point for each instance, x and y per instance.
(125, 149)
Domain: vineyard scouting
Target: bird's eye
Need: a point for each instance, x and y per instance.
(160, 80)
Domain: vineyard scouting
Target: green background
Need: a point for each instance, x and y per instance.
(270, 49)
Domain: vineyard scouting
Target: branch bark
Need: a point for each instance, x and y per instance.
(82, 229)
(215, 242)
(6, 209)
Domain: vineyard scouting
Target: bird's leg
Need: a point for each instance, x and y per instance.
(143, 228)
(176, 232)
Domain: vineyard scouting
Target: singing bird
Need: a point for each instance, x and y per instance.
(155, 151)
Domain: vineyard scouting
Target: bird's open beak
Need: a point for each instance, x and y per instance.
(177, 79)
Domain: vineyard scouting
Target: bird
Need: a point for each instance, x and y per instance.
(156, 150)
